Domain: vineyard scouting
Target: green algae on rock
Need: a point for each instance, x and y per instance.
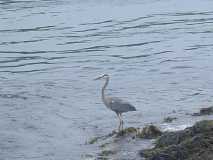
(93, 140)
(149, 132)
(104, 155)
(128, 131)
(193, 143)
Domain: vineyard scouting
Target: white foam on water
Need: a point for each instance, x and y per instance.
(171, 128)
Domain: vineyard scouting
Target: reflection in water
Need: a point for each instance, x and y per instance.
(51, 50)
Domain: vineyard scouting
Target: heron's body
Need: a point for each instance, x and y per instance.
(115, 104)
(118, 105)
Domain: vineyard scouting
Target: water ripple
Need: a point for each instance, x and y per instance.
(42, 28)
(50, 50)
(18, 42)
(101, 22)
(11, 96)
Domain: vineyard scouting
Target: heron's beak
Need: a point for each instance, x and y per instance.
(98, 78)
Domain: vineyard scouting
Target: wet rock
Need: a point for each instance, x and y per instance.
(88, 157)
(204, 111)
(96, 139)
(123, 144)
(193, 143)
(149, 132)
(169, 119)
(93, 140)
(105, 154)
(104, 145)
(128, 131)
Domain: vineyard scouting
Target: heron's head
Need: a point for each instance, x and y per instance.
(105, 76)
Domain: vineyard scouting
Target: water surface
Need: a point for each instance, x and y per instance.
(158, 54)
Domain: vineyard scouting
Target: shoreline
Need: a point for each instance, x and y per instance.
(144, 143)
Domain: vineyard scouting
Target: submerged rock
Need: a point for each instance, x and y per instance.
(169, 119)
(204, 111)
(193, 143)
(96, 139)
(105, 154)
(93, 140)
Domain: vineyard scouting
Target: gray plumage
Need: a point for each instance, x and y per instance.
(119, 106)
(115, 104)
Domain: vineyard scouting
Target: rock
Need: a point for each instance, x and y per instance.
(149, 132)
(169, 119)
(204, 111)
(193, 143)
(93, 140)
(122, 144)
(96, 139)
(104, 145)
(104, 155)
(128, 131)
(88, 157)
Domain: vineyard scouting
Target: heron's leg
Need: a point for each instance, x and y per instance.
(120, 122)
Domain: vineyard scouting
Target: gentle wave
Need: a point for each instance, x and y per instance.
(86, 38)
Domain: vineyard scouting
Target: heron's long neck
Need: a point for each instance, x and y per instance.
(103, 90)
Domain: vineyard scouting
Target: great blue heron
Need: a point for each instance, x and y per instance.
(115, 104)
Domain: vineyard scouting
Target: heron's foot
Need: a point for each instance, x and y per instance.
(121, 129)
(120, 132)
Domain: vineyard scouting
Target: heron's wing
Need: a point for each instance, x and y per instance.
(120, 106)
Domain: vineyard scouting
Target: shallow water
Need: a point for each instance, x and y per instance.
(158, 54)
